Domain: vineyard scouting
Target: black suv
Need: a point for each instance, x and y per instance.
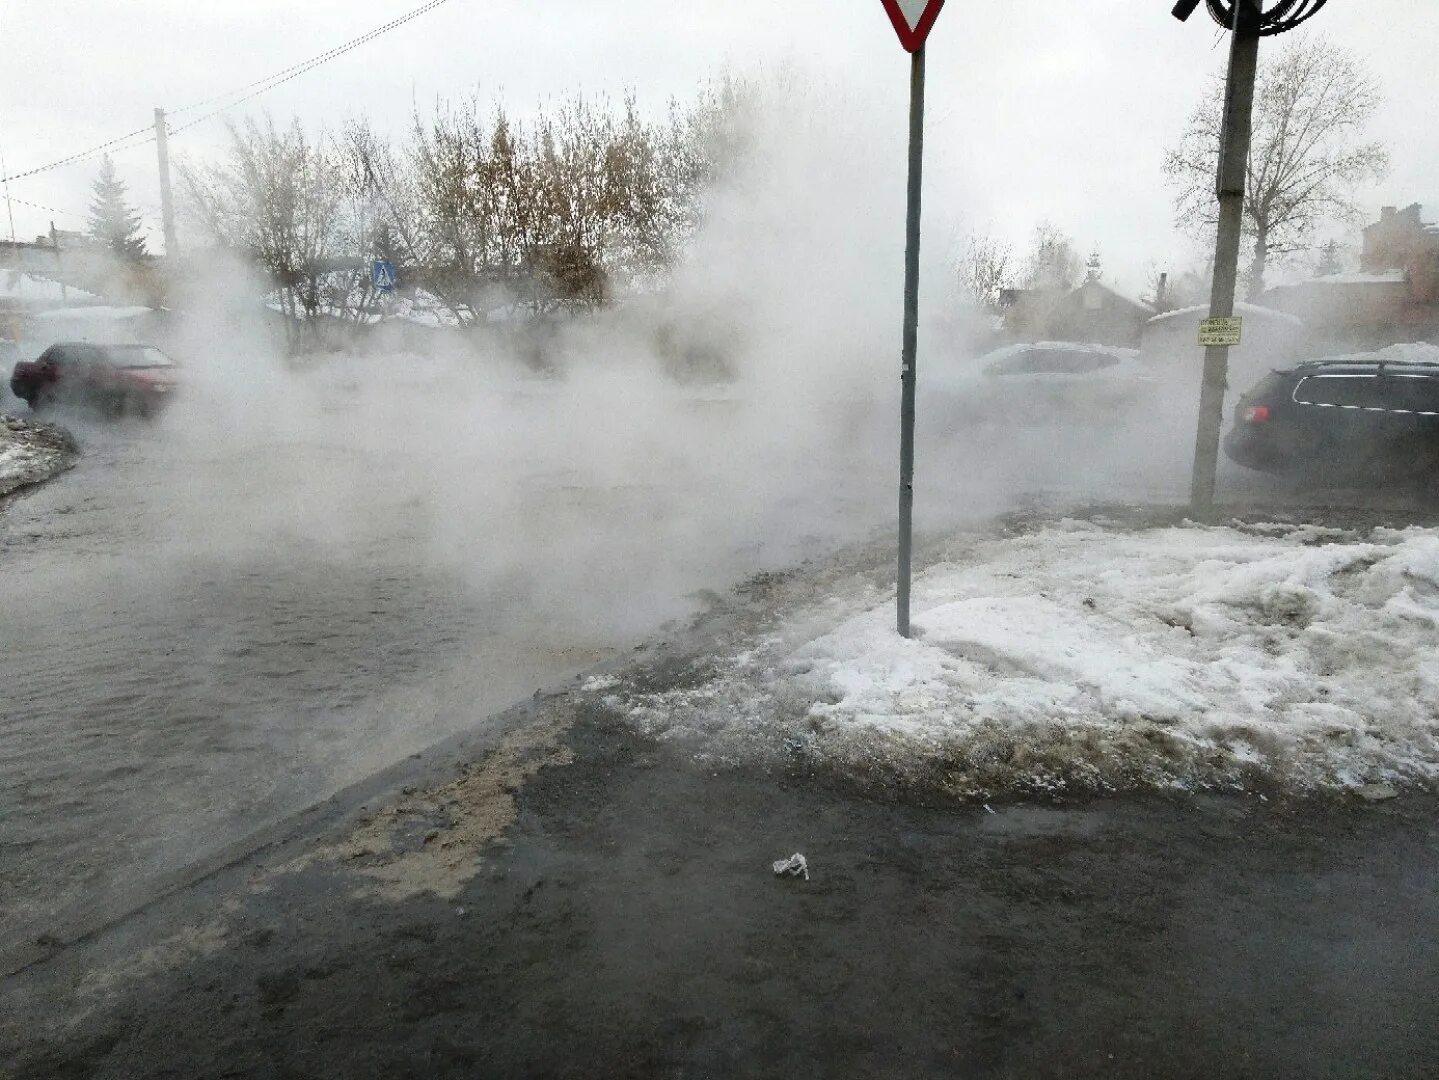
(1356, 417)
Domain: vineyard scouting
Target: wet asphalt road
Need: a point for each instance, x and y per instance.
(162, 698)
(628, 925)
(213, 622)
(220, 618)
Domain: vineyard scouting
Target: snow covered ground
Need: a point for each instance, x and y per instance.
(31, 452)
(1098, 658)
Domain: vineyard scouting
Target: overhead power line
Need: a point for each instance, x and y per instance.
(259, 86)
(50, 209)
(83, 154)
(247, 92)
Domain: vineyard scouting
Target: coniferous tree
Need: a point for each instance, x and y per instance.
(112, 222)
(1329, 261)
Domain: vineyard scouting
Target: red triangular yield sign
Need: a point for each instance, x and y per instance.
(912, 20)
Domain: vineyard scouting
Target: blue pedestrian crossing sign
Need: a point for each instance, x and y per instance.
(382, 274)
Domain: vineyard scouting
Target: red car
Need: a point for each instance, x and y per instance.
(120, 378)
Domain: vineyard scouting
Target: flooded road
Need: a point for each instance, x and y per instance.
(218, 619)
(160, 701)
(209, 624)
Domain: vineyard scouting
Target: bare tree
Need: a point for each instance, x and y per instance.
(983, 267)
(278, 198)
(1053, 264)
(1313, 102)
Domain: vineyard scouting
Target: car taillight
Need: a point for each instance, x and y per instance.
(1256, 414)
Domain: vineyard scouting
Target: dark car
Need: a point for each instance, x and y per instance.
(1357, 417)
(119, 378)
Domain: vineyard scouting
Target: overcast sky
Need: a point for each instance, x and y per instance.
(1055, 109)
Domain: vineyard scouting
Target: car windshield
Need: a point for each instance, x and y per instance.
(138, 356)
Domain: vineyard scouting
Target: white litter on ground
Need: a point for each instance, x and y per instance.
(796, 865)
(1088, 658)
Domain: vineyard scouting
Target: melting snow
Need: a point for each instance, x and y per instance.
(1084, 656)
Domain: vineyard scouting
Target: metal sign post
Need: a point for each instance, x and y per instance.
(913, 20)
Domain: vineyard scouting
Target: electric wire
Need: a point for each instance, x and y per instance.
(248, 92)
(290, 72)
(42, 206)
(83, 154)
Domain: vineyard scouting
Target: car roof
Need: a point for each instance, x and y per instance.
(101, 345)
(1352, 366)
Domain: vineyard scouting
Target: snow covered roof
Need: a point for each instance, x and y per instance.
(97, 313)
(1132, 301)
(1383, 277)
(1200, 311)
(18, 286)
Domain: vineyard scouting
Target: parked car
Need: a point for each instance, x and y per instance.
(1373, 416)
(1046, 382)
(119, 378)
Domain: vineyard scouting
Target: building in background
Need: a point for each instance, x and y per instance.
(1393, 297)
(1093, 313)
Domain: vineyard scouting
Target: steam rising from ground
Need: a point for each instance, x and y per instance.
(607, 489)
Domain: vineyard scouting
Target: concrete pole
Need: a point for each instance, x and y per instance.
(911, 339)
(167, 207)
(9, 208)
(1230, 187)
(59, 267)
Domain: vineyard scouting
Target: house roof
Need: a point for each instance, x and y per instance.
(1132, 301)
(18, 287)
(1383, 277)
(1247, 310)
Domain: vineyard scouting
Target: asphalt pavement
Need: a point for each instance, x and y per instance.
(556, 896)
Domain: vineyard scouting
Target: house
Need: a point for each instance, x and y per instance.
(1095, 313)
(24, 295)
(1392, 298)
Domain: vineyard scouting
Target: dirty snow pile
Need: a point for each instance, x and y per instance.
(1083, 657)
(31, 452)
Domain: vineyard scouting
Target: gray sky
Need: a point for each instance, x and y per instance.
(1055, 109)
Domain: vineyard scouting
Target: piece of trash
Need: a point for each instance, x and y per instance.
(1376, 792)
(989, 808)
(795, 865)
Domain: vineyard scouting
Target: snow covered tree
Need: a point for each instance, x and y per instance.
(983, 268)
(112, 222)
(1312, 104)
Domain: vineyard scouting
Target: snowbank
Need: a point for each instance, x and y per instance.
(1087, 658)
(31, 452)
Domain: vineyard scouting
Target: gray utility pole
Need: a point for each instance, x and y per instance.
(1230, 186)
(167, 206)
(9, 209)
(911, 339)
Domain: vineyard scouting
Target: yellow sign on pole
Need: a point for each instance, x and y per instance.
(1220, 331)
